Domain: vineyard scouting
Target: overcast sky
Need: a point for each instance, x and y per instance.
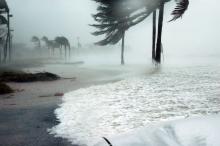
(197, 31)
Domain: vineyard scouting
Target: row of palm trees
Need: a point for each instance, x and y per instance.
(115, 17)
(60, 42)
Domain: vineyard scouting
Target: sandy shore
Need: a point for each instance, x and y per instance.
(26, 114)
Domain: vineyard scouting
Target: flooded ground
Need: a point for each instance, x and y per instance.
(152, 96)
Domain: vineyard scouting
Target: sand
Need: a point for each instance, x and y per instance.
(26, 114)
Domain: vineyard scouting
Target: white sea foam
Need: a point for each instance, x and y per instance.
(88, 114)
(190, 132)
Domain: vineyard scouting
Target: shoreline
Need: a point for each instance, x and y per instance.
(26, 114)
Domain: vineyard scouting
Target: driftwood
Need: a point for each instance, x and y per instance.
(27, 77)
(5, 89)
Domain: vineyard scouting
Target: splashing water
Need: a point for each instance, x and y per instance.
(88, 114)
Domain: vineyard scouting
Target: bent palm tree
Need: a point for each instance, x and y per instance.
(46, 41)
(159, 33)
(154, 35)
(136, 13)
(51, 44)
(36, 41)
(4, 39)
(112, 22)
(181, 7)
(3, 44)
(63, 44)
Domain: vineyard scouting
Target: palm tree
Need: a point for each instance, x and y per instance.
(112, 22)
(181, 7)
(154, 35)
(3, 47)
(51, 44)
(48, 43)
(159, 33)
(63, 43)
(4, 39)
(36, 41)
(136, 14)
(78, 43)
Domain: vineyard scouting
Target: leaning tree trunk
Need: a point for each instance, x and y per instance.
(69, 52)
(61, 54)
(159, 35)
(65, 52)
(123, 48)
(6, 49)
(154, 35)
(0, 55)
(39, 44)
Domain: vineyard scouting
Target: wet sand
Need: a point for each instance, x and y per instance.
(26, 114)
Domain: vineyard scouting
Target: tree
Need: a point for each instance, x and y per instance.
(154, 35)
(3, 46)
(49, 44)
(134, 12)
(46, 41)
(36, 41)
(112, 18)
(181, 7)
(4, 39)
(63, 43)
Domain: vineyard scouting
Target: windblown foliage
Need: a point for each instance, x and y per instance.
(62, 41)
(3, 20)
(181, 7)
(36, 40)
(115, 16)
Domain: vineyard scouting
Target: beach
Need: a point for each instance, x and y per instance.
(92, 101)
(27, 114)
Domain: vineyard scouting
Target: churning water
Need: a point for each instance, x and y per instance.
(164, 94)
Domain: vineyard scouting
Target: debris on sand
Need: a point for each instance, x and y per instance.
(5, 89)
(53, 95)
(58, 94)
(27, 77)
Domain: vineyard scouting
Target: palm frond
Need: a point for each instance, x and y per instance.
(181, 7)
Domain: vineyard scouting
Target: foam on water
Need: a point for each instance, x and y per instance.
(88, 114)
(188, 132)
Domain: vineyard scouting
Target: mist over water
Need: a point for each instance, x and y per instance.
(185, 85)
(195, 35)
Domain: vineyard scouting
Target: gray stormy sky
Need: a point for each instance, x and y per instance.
(197, 31)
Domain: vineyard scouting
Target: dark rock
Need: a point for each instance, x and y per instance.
(27, 77)
(5, 89)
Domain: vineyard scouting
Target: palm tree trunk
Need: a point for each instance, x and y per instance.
(69, 52)
(0, 55)
(60, 52)
(9, 36)
(154, 35)
(65, 52)
(122, 49)
(6, 49)
(39, 44)
(159, 35)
